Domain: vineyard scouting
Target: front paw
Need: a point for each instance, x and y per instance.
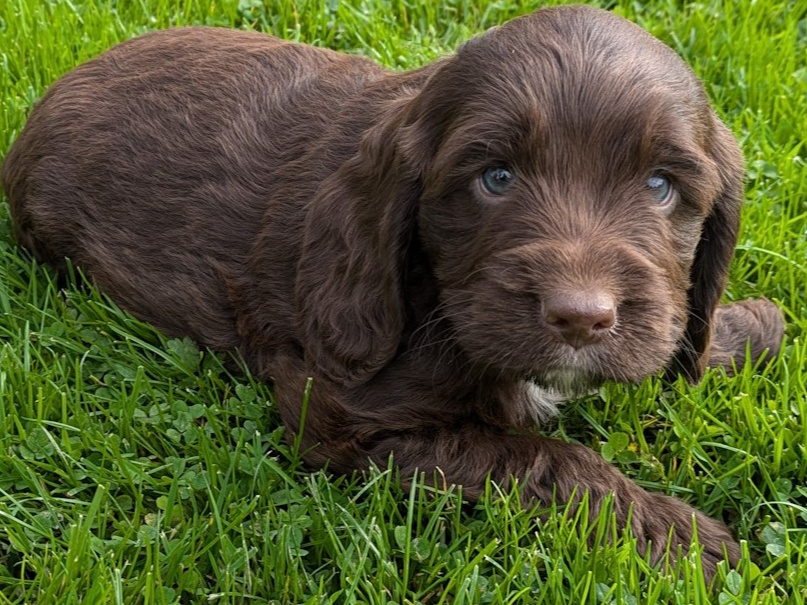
(757, 326)
(663, 525)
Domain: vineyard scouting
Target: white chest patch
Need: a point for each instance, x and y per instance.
(542, 403)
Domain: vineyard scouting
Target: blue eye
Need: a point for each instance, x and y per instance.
(496, 180)
(661, 188)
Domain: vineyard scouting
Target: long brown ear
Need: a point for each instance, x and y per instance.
(712, 256)
(350, 307)
(348, 292)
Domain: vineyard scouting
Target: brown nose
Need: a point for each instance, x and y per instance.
(581, 318)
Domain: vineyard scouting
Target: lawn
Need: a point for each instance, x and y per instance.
(138, 469)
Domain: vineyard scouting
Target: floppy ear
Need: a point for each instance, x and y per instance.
(712, 256)
(349, 299)
(349, 304)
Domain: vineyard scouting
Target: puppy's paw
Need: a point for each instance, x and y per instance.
(664, 524)
(756, 325)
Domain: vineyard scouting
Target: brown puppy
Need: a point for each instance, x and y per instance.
(448, 251)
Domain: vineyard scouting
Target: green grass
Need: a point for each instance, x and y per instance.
(135, 469)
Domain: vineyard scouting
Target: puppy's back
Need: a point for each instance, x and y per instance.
(152, 165)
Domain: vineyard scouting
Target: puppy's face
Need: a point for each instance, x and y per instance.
(566, 199)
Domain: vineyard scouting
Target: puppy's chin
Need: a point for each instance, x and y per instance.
(569, 383)
(547, 390)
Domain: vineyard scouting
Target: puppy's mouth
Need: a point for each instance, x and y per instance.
(575, 373)
(506, 333)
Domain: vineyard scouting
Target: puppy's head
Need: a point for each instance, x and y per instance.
(577, 198)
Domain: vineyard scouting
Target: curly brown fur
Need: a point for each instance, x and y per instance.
(329, 218)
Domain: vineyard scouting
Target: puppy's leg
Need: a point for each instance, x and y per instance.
(757, 326)
(547, 468)
(464, 451)
(449, 434)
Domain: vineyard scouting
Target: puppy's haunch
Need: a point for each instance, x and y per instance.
(448, 251)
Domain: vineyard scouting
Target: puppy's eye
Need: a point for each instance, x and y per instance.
(661, 188)
(497, 179)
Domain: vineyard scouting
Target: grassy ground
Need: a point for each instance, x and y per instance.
(135, 469)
